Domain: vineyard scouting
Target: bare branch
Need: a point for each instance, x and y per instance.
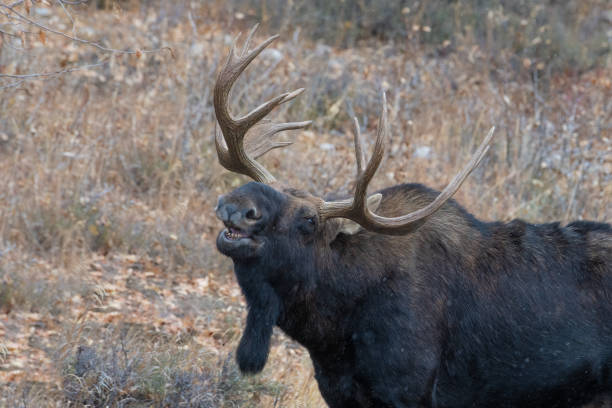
(61, 3)
(18, 21)
(12, 84)
(54, 73)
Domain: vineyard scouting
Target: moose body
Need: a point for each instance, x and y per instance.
(403, 298)
(460, 313)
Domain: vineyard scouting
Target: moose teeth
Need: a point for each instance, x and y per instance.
(234, 235)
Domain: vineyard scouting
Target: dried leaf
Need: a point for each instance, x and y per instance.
(171, 52)
(28, 5)
(42, 37)
(22, 37)
(93, 230)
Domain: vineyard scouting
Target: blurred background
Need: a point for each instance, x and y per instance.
(111, 289)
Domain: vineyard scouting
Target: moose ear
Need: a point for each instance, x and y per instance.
(350, 227)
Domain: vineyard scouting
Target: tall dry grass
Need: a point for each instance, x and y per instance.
(111, 171)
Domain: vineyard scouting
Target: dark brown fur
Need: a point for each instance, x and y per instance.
(460, 313)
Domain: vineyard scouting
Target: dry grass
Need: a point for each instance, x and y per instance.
(570, 35)
(112, 291)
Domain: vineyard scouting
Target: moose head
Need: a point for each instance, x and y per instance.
(260, 215)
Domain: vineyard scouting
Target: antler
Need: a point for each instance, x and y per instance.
(356, 208)
(233, 155)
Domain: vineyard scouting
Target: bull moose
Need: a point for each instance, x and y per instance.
(403, 298)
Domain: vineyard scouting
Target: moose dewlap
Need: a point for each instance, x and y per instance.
(402, 297)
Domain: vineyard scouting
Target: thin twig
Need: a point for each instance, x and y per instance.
(46, 75)
(9, 34)
(572, 200)
(12, 84)
(74, 3)
(53, 73)
(61, 3)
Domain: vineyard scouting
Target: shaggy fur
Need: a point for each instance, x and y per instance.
(460, 313)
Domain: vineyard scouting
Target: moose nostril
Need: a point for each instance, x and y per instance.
(226, 211)
(252, 214)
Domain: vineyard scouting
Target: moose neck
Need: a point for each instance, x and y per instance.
(317, 313)
(306, 301)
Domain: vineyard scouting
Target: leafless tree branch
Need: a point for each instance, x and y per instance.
(54, 73)
(61, 3)
(22, 20)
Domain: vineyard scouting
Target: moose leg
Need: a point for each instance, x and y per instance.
(264, 311)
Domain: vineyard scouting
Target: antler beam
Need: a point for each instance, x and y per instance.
(356, 208)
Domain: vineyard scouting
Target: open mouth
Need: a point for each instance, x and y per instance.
(235, 234)
(237, 243)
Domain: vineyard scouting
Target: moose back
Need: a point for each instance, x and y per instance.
(403, 298)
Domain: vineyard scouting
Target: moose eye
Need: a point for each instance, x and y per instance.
(308, 225)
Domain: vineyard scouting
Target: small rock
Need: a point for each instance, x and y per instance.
(42, 12)
(422, 152)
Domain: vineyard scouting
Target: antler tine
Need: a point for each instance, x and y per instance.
(356, 208)
(247, 42)
(353, 208)
(260, 144)
(364, 179)
(262, 110)
(358, 150)
(460, 177)
(230, 148)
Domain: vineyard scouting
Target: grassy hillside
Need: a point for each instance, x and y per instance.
(111, 289)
